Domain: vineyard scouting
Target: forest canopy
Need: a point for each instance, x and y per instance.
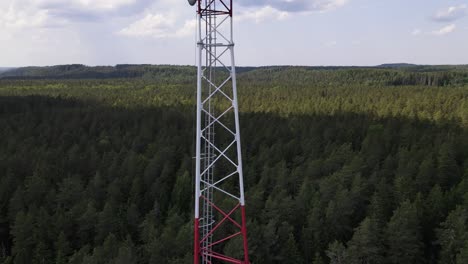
(342, 164)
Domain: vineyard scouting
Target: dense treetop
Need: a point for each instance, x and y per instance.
(342, 165)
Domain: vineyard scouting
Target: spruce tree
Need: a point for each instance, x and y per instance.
(337, 253)
(366, 246)
(62, 248)
(403, 236)
(318, 259)
(453, 234)
(462, 257)
(291, 252)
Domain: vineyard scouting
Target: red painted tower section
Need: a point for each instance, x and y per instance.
(220, 218)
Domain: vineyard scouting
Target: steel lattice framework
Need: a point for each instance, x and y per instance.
(219, 187)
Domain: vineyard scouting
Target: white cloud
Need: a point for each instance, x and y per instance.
(327, 5)
(159, 26)
(82, 4)
(104, 4)
(416, 32)
(445, 30)
(451, 13)
(265, 10)
(331, 43)
(53, 13)
(76, 10)
(439, 32)
(187, 30)
(262, 14)
(18, 19)
(13, 19)
(297, 5)
(152, 25)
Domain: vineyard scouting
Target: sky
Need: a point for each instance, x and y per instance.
(267, 32)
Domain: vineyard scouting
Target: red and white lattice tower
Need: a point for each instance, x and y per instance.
(219, 186)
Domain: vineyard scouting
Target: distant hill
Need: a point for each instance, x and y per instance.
(397, 65)
(79, 71)
(4, 69)
(392, 74)
(421, 68)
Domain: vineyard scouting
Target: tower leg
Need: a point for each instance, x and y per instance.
(196, 242)
(244, 236)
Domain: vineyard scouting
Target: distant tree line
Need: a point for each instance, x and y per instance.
(386, 74)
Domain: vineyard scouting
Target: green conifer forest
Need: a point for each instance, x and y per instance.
(341, 165)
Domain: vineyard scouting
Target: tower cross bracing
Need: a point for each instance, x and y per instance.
(219, 185)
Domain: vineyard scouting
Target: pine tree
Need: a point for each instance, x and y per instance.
(22, 239)
(80, 256)
(107, 222)
(318, 259)
(87, 224)
(62, 248)
(3, 253)
(453, 235)
(337, 253)
(42, 254)
(181, 193)
(270, 238)
(462, 257)
(380, 208)
(291, 252)
(126, 254)
(366, 246)
(425, 177)
(403, 236)
(447, 169)
(107, 251)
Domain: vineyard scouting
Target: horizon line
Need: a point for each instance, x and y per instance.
(239, 66)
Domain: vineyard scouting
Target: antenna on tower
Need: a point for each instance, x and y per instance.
(219, 184)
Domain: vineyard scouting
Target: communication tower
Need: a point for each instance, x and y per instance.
(219, 186)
